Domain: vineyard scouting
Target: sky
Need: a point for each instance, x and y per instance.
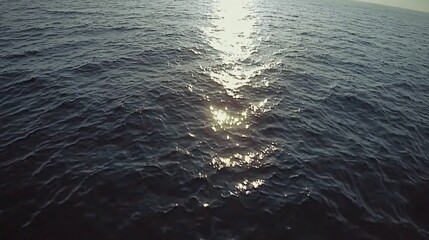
(419, 5)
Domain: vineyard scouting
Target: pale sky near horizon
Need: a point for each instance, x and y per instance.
(419, 5)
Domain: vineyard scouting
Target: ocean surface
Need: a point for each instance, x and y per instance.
(213, 119)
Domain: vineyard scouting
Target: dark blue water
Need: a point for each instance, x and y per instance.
(224, 119)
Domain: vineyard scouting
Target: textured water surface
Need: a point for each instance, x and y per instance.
(223, 119)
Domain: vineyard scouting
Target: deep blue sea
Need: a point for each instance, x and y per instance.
(213, 119)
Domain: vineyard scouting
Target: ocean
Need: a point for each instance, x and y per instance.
(222, 119)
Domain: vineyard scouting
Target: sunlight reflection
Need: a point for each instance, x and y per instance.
(248, 159)
(231, 34)
(224, 118)
(233, 29)
(247, 185)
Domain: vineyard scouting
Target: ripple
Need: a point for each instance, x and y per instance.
(215, 119)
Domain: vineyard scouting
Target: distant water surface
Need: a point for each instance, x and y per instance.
(223, 119)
